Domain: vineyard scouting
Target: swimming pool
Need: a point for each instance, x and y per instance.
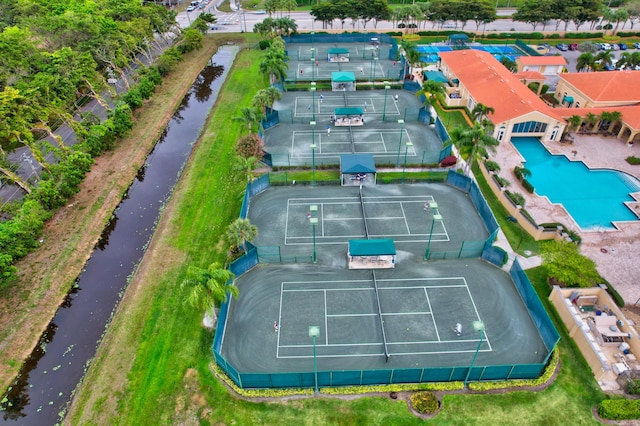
(594, 198)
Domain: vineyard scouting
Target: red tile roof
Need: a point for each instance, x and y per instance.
(542, 60)
(530, 75)
(630, 114)
(491, 84)
(607, 86)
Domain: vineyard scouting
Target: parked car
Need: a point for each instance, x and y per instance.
(191, 8)
(615, 46)
(573, 46)
(636, 45)
(623, 46)
(562, 47)
(604, 46)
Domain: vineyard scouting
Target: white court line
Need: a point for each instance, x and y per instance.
(351, 315)
(279, 321)
(433, 318)
(326, 325)
(438, 341)
(405, 218)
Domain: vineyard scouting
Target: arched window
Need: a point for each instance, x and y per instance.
(501, 134)
(554, 133)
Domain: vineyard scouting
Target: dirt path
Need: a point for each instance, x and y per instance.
(47, 274)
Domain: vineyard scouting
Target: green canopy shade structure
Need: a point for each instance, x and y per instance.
(338, 54)
(357, 169)
(436, 76)
(343, 80)
(458, 41)
(347, 111)
(372, 254)
(568, 99)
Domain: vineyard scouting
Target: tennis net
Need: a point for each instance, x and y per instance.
(353, 146)
(364, 215)
(384, 336)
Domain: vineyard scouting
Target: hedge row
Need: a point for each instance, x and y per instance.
(619, 409)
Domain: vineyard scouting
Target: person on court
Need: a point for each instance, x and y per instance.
(275, 326)
(321, 98)
(458, 329)
(329, 130)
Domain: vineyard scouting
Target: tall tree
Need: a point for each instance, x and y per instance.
(207, 288)
(480, 111)
(430, 89)
(478, 142)
(586, 62)
(240, 232)
(248, 116)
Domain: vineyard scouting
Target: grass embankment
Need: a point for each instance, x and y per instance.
(154, 362)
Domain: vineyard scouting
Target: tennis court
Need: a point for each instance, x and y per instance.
(430, 53)
(368, 62)
(382, 134)
(406, 318)
(390, 211)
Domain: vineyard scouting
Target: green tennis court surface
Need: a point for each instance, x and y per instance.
(420, 306)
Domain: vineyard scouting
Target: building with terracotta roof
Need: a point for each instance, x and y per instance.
(477, 77)
(596, 92)
(545, 65)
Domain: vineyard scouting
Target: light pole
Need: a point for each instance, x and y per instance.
(313, 63)
(313, 220)
(375, 65)
(401, 123)
(405, 159)
(314, 333)
(436, 216)
(313, 102)
(384, 107)
(313, 153)
(479, 327)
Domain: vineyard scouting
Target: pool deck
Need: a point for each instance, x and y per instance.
(616, 251)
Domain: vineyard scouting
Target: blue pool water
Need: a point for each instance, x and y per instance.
(594, 198)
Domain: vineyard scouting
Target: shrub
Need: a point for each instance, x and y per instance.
(633, 160)
(521, 173)
(502, 181)
(264, 44)
(448, 161)
(633, 387)
(517, 198)
(527, 185)
(619, 409)
(250, 146)
(566, 267)
(492, 166)
(424, 402)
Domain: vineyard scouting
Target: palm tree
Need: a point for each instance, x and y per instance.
(246, 165)
(477, 141)
(430, 89)
(586, 62)
(240, 231)
(273, 94)
(574, 122)
(274, 64)
(480, 111)
(605, 118)
(603, 59)
(261, 100)
(614, 117)
(209, 287)
(411, 54)
(591, 119)
(248, 116)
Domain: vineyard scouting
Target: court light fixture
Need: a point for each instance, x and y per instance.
(433, 206)
(384, 108)
(406, 150)
(401, 123)
(313, 153)
(313, 220)
(314, 333)
(479, 327)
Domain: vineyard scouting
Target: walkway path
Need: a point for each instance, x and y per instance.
(614, 251)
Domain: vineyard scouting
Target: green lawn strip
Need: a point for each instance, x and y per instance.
(172, 335)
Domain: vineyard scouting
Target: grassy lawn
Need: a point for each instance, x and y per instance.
(154, 361)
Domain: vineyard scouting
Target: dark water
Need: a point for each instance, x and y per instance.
(42, 390)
